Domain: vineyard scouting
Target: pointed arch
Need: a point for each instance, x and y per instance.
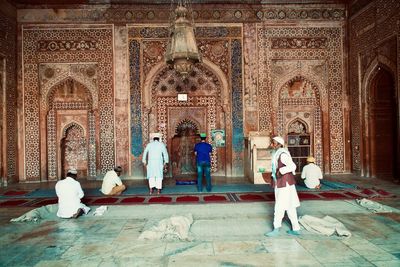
(51, 92)
(152, 75)
(187, 121)
(317, 85)
(298, 126)
(50, 86)
(366, 130)
(71, 125)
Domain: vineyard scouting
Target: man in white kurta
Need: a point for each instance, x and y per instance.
(286, 199)
(311, 174)
(112, 184)
(155, 156)
(69, 192)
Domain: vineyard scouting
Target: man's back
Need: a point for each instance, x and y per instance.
(311, 173)
(156, 151)
(69, 192)
(110, 180)
(203, 151)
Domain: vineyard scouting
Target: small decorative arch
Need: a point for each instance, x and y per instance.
(298, 126)
(185, 124)
(310, 82)
(48, 88)
(71, 125)
(72, 83)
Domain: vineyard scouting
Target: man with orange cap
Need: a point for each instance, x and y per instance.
(311, 174)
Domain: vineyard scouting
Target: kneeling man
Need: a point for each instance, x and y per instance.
(112, 184)
(69, 193)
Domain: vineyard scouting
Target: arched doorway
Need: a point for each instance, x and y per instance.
(70, 130)
(383, 126)
(183, 161)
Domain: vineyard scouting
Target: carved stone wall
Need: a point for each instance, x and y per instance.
(250, 54)
(8, 110)
(373, 44)
(62, 44)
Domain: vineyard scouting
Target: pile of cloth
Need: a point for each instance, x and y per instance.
(43, 213)
(325, 226)
(375, 206)
(172, 228)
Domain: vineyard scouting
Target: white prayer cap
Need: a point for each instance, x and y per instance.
(279, 140)
(72, 171)
(155, 135)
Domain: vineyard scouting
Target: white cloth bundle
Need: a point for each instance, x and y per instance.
(326, 226)
(173, 228)
(100, 211)
(374, 206)
(41, 213)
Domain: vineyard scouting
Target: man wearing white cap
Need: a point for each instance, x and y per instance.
(312, 174)
(155, 156)
(286, 199)
(69, 192)
(112, 184)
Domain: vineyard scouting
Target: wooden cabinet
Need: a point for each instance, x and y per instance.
(299, 146)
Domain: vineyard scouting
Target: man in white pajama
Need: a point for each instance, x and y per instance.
(155, 156)
(286, 199)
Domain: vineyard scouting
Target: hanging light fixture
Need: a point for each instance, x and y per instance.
(182, 52)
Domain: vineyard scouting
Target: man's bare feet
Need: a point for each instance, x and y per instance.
(151, 191)
(158, 191)
(78, 213)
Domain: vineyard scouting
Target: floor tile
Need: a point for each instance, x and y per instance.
(238, 247)
(189, 248)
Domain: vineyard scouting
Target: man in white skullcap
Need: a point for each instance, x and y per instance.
(286, 199)
(311, 174)
(69, 192)
(112, 184)
(155, 156)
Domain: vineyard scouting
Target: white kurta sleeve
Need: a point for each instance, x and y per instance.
(165, 154)
(146, 151)
(289, 164)
(303, 173)
(79, 190)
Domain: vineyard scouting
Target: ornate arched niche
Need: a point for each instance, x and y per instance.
(70, 124)
(206, 104)
(182, 161)
(300, 119)
(73, 149)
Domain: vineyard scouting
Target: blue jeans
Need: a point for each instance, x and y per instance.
(203, 167)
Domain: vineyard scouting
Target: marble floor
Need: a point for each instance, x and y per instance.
(221, 235)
